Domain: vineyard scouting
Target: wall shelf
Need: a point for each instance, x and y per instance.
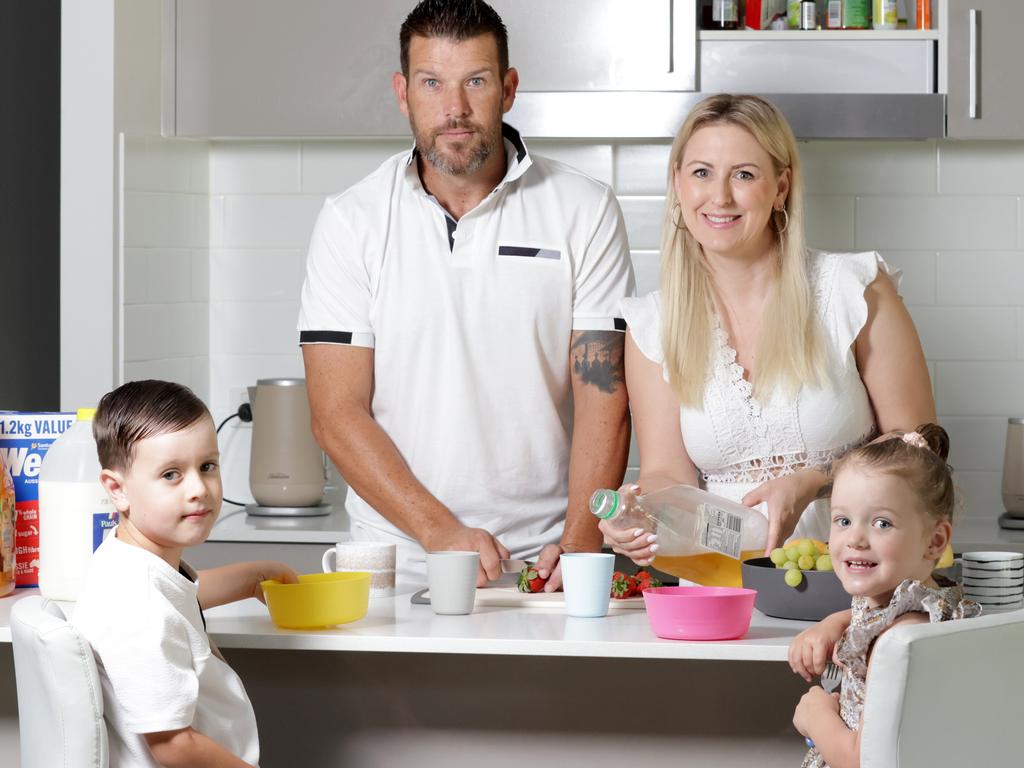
(822, 34)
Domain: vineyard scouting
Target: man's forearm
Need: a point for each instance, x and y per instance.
(600, 438)
(373, 467)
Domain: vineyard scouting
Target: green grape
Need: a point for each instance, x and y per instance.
(824, 563)
(806, 548)
(793, 577)
(790, 565)
(778, 556)
(792, 553)
(806, 563)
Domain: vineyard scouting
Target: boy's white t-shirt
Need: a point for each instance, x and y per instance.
(156, 664)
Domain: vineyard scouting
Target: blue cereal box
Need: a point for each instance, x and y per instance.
(24, 440)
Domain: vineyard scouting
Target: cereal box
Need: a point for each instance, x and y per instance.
(24, 440)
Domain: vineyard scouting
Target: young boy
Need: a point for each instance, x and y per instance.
(169, 696)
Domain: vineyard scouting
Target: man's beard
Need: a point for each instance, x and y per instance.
(480, 147)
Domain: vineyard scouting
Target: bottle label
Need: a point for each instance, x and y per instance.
(102, 524)
(719, 531)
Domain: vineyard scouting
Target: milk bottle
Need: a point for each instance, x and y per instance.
(75, 513)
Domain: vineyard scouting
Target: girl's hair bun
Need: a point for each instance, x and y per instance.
(937, 439)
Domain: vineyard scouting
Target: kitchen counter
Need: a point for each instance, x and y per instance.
(234, 525)
(978, 534)
(394, 625)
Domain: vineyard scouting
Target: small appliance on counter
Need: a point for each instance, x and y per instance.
(287, 471)
(1013, 476)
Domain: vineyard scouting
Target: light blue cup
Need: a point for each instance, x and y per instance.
(587, 583)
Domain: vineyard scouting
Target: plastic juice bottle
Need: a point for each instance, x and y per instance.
(701, 537)
(7, 521)
(75, 513)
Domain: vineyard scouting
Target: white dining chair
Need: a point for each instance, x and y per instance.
(943, 694)
(60, 701)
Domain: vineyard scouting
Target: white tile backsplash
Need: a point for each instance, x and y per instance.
(966, 333)
(979, 389)
(240, 214)
(641, 169)
(981, 167)
(643, 216)
(329, 167)
(252, 168)
(918, 267)
(981, 278)
(939, 222)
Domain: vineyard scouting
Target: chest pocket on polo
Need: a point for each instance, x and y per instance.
(529, 252)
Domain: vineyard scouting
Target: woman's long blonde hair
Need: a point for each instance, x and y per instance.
(790, 350)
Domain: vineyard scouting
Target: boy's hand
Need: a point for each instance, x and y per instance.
(812, 648)
(264, 570)
(812, 705)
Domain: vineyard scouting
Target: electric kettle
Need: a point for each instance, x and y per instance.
(1013, 469)
(287, 472)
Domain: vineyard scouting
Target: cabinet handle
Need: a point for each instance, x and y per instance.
(972, 65)
(671, 37)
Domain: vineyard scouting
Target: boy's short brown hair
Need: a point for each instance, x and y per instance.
(141, 409)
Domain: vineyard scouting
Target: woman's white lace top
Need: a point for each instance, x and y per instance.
(738, 442)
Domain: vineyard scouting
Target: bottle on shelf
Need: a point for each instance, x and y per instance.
(701, 537)
(885, 14)
(793, 13)
(725, 14)
(923, 18)
(848, 14)
(808, 14)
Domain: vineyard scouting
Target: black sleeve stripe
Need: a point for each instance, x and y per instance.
(620, 324)
(325, 337)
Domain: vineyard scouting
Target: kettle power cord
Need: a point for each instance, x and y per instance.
(243, 414)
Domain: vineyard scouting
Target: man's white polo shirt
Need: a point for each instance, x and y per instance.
(470, 325)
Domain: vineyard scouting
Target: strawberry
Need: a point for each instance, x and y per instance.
(530, 580)
(644, 580)
(623, 586)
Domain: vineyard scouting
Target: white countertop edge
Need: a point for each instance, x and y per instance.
(734, 650)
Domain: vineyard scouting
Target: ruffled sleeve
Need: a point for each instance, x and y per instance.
(839, 281)
(643, 319)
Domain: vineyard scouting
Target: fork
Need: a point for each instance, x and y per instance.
(830, 680)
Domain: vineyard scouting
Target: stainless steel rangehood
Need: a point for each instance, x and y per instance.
(605, 69)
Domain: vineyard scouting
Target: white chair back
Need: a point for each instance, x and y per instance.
(950, 693)
(60, 700)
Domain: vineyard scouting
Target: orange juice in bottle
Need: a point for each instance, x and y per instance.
(701, 537)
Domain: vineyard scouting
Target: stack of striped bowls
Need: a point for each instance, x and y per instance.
(994, 579)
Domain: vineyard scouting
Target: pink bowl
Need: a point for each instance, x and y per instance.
(699, 613)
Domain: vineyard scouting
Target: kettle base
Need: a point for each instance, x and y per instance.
(1006, 520)
(319, 510)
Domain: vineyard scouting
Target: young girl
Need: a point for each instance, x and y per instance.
(892, 508)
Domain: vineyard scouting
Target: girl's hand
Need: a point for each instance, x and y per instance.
(270, 570)
(812, 648)
(811, 707)
(638, 544)
(787, 497)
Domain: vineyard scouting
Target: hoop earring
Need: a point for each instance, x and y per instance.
(785, 224)
(677, 216)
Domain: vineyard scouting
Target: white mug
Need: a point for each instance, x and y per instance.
(375, 558)
(451, 577)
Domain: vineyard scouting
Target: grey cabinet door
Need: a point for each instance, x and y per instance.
(323, 67)
(993, 83)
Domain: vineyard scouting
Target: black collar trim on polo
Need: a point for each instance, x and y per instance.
(512, 135)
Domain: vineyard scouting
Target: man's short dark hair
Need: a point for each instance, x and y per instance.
(141, 409)
(456, 20)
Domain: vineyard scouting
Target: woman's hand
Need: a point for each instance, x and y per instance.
(638, 544)
(812, 648)
(787, 497)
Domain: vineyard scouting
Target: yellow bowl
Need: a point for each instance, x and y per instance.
(318, 600)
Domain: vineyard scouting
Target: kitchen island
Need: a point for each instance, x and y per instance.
(499, 687)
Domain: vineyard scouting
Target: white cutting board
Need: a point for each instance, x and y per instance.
(511, 597)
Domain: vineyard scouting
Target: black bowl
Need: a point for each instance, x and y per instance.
(818, 595)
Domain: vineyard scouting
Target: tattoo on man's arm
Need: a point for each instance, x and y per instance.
(597, 358)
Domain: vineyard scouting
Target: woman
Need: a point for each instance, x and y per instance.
(760, 362)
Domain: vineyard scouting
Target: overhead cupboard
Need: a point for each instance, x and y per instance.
(591, 69)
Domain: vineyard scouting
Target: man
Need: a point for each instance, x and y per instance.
(459, 322)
